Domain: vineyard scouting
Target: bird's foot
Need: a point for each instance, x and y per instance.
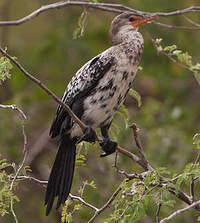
(88, 136)
(108, 146)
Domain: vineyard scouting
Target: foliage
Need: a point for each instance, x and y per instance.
(71, 207)
(5, 68)
(6, 194)
(196, 140)
(183, 57)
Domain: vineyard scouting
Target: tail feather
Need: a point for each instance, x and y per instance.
(60, 179)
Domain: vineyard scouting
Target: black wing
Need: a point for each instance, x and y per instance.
(81, 85)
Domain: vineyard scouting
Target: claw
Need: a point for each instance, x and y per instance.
(108, 146)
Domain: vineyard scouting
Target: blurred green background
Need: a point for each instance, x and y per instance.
(168, 117)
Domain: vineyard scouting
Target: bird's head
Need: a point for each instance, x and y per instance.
(126, 22)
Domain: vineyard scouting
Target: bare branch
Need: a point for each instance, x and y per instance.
(41, 85)
(14, 107)
(73, 197)
(179, 212)
(191, 21)
(33, 179)
(192, 189)
(176, 27)
(158, 210)
(25, 151)
(116, 8)
(106, 205)
(143, 160)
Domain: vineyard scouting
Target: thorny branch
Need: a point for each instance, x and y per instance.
(116, 8)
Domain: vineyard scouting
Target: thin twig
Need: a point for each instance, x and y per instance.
(116, 8)
(33, 179)
(140, 149)
(14, 107)
(179, 212)
(166, 54)
(158, 210)
(22, 117)
(192, 181)
(191, 21)
(73, 197)
(45, 182)
(106, 205)
(176, 27)
(192, 189)
(41, 85)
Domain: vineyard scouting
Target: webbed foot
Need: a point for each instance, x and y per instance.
(108, 146)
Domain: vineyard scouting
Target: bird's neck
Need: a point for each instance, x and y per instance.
(126, 35)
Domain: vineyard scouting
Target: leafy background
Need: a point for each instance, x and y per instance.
(168, 118)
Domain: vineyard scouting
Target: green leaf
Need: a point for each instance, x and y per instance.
(170, 49)
(196, 140)
(92, 184)
(133, 93)
(77, 207)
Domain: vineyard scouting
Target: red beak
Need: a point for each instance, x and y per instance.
(142, 21)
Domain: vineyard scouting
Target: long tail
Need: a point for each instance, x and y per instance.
(60, 179)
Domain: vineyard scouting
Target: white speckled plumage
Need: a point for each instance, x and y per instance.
(99, 108)
(94, 94)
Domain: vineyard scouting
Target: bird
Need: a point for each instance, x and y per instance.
(94, 94)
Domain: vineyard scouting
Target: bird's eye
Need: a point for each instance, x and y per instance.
(131, 19)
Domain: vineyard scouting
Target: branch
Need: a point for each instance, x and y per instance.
(167, 54)
(191, 21)
(176, 27)
(179, 212)
(23, 117)
(82, 201)
(41, 85)
(143, 160)
(98, 212)
(158, 210)
(116, 8)
(14, 107)
(59, 101)
(73, 197)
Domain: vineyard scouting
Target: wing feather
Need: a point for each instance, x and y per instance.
(85, 80)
